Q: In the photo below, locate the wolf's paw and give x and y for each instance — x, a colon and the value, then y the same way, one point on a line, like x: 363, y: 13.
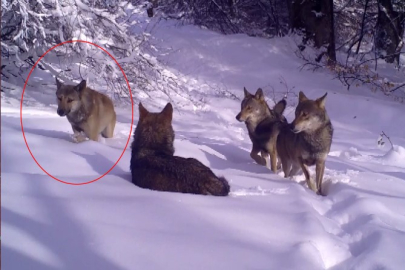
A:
x: 262, y: 162
x: 311, y: 186
x: 320, y: 192
x: 78, y: 138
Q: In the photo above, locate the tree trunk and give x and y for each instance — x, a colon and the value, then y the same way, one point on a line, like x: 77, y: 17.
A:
x: 315, y: 19
x: 389, y: 31
x: 331, y: 49
x: 362, y: 27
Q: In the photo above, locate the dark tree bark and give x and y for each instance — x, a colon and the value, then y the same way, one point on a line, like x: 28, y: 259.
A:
x: 315, y: 19
x: 267, y: 18
x: 150, y: 12
x: 331, y: 49
x: 150, y: 8
x: 230, y: 6
x: 362, y: 27
x: 389, y: 31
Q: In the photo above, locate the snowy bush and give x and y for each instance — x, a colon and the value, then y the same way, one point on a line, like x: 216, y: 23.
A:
x: 368, y: 34
x: 30, y: 28
x: 253, y: 17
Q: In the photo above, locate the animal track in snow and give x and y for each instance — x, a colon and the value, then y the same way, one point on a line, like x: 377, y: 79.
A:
x: 257, y: 191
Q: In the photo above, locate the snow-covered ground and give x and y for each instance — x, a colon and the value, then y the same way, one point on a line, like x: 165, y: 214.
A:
x: 267, y: 222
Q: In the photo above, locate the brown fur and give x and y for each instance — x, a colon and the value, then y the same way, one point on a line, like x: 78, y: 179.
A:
x: 263, y: 125
x: 154, y: 166
x: 307, y: 141
x: 86, y: 110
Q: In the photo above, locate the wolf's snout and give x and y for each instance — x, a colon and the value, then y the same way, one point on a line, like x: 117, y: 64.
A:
x: 238, y: 117
x: 61, y: 112
x: 293, y: 128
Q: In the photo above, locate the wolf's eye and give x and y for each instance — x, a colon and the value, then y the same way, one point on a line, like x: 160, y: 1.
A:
x: 249, y: 107
x: 70, y: 100
x: 59, y: 98
x: 304, y: 114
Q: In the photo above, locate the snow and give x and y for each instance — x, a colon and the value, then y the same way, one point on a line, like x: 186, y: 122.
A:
x: 317, y: 14
x: 396, y: 156
x: 267, y: 222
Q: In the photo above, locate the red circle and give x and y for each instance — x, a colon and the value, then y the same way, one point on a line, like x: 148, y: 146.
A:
x: 132, y: 105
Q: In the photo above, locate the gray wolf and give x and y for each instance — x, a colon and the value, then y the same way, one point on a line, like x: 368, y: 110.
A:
x: 306, y: 141
x: 154, y: 166
x: 86, y: 110
x: 263, y: 125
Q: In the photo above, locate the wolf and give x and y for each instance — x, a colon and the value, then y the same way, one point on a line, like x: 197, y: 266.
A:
x: 263, y: 125
x: 306, y: 141
x: 154, y: 166
x: 86, y: 110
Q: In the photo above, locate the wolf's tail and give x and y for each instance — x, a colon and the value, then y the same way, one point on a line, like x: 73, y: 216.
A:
x: 218, y: 187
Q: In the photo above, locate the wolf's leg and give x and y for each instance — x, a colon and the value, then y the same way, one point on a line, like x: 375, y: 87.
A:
x: 295, y: 168
x: 92, y: 131
x: 278, y: 164
x: 254, y: 155
x: 265, y: 155
x: 306, y: 173
x: 108, y: 132
x: 93, y: 135
x: 273, y: 159
x: 320, y: 168
x: 271, y: 149
x: 77, y: 135
x: 286, y: 164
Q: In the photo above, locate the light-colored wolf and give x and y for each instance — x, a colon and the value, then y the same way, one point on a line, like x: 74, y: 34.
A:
x: 263, y: 125
x: 86, y: 110
x: 306, y: 141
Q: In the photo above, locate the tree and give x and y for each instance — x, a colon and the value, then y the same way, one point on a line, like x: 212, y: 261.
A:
x: 315, y: 20
x: 267, y: 18
x: 390, y: 30
x: 31, y: 27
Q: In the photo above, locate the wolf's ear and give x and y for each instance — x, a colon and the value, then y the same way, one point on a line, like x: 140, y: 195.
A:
x: 142, y: 111
x: 301, y: 97
x: 280, y: 107
x: 321, y: 101
x: 247, y: 94
x: 58, y: 83
x: 167, y: 112
x: 259, y: 94
x: 81, y: 86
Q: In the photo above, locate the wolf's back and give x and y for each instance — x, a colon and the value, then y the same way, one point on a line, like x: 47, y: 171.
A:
x: 176, y: 174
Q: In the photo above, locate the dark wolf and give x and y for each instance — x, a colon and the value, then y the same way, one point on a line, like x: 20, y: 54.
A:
x: 86, y: 110
x: 154, y: 166
x: 306, y: 141
x: 263, y: 125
